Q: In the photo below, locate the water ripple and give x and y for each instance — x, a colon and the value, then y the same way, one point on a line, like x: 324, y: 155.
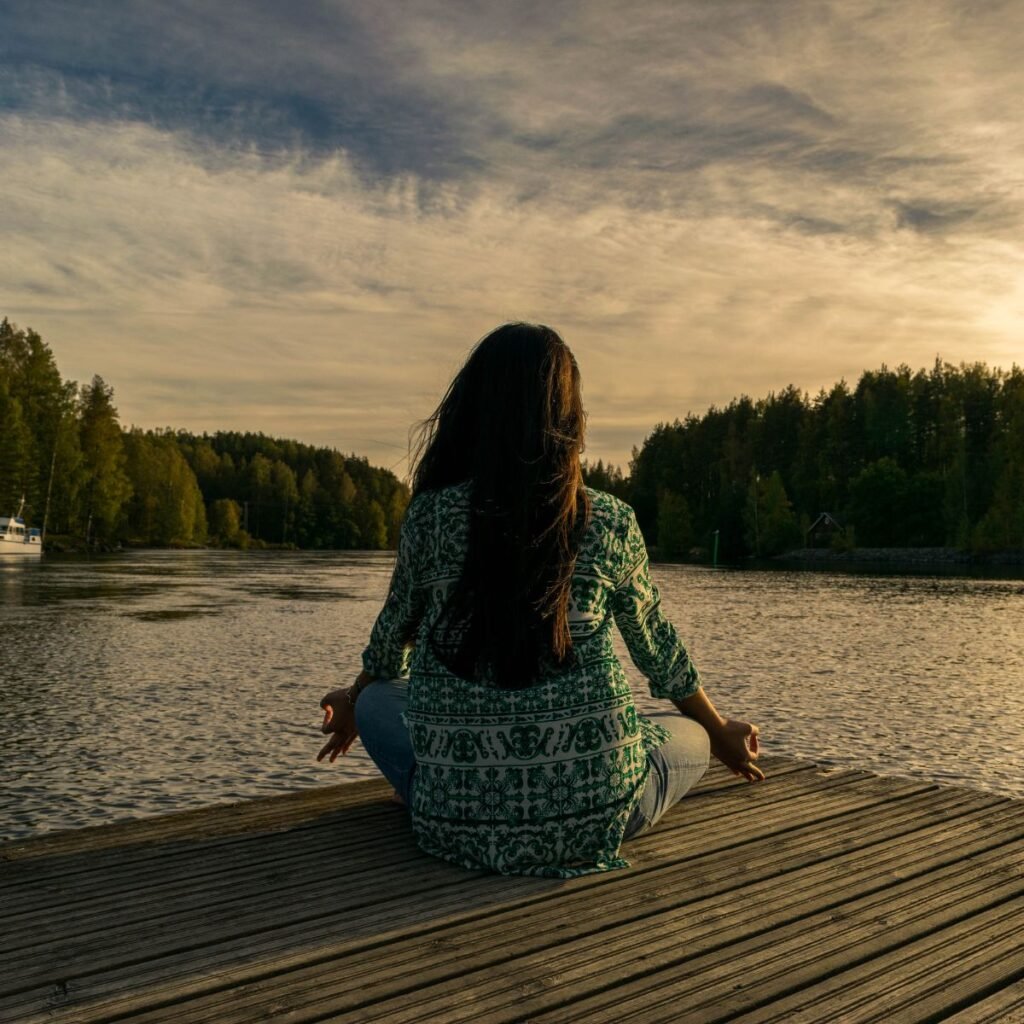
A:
x: 150, y: 681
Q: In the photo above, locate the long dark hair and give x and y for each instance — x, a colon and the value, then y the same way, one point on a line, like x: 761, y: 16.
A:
x: 511, y: 425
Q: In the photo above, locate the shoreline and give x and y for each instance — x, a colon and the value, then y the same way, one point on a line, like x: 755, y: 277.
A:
x: 888, y: 560
x: 909, y: 560
x: 72, y: 548
x: 902, y: 558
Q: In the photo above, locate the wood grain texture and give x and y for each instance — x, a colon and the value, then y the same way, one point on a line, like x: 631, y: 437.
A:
x: 820, y: 895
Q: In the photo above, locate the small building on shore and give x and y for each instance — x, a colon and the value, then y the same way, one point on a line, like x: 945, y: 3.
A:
x: 822, y: 530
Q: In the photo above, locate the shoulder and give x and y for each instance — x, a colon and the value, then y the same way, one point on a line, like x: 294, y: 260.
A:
x: 613, y: 538
x: 427, y: 506
x: 609, y: 514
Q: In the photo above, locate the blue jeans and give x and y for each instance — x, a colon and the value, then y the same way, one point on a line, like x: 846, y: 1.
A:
x: 675, y: 767
x: 385, y: 736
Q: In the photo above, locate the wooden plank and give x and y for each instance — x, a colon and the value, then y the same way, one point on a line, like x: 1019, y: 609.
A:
x: 875, y: 871
x: 38, y: 900
x: 366, y: 837
x: 87, y: 952
x: 34, y: 862
x: 238, y: 817
x: 361, y: 826
x: 963, y: 978
x: 92, y: 867
x: 248, y: 878
x: 269, y: 883
x: 290, y: 886
x: 1005, y: 1006
x: 659, y: 838
x: 243, y: 816
x: 917, y: 978
x: 678, y: 986
x: 760, y: 973
x: 232, y: 926
x: 412, y: 965
x: 727, y: 879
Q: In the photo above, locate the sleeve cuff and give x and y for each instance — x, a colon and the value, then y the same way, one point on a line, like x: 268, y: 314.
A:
x: 683, y: 684
x: 381, y: 668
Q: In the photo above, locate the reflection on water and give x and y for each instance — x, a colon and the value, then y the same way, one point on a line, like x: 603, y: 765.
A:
x: 151, y: 681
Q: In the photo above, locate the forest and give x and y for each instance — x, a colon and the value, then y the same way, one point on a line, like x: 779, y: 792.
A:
x: 904, y: 458
x: 108, y: 486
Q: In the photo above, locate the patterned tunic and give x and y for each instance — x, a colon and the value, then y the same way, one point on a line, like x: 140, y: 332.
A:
x: 538, y: 781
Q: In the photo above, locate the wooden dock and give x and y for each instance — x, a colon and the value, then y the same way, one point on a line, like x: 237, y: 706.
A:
x: 818, y: 895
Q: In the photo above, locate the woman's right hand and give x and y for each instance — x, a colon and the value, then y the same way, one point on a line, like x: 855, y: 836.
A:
x: 340, y: 722
x: 734, y: 743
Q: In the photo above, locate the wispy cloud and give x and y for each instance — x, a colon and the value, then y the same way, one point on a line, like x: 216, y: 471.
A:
x: 298, y: 219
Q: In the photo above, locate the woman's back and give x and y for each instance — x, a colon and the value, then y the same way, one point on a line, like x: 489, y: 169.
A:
x: 541, y: 779
x: 493, y: 700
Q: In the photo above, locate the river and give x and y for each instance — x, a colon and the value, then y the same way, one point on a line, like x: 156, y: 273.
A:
x: 150, y: 681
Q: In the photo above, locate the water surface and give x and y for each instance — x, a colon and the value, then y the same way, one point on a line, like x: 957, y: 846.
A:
x: 150, y: 681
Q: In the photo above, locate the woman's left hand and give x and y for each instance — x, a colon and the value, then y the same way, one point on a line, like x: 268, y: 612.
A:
x: 340, y: 722
x: 735, y: 744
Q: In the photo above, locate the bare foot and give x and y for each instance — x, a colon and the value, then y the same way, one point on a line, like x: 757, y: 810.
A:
x: 396, y: 799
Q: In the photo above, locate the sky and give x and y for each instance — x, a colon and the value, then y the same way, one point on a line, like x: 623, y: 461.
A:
x: 298, y: 218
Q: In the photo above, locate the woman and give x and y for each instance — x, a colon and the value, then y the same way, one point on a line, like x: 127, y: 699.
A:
x: 490, y: 696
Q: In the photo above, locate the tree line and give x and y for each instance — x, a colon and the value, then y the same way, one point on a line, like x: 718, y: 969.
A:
x: 63, y: 449
x: 902, y: 459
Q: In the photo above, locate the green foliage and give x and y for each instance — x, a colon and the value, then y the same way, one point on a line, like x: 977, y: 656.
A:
x: 156, y: 487
x: 372, y: 523
x: 291, y: 493
x: 1002, y: 526
x: 16, y: 453
x: 166, y: 506
x: 395, y: 513
x: 226, y: 523
x: 284, y: 494
x: 606, y: 478
x: 910, y: 458
x: 103, y: 456
x: 675, y: 528
x: 877, y: 502
x: 772, y: 526
x: 43, y: 428
x: 920, y: 525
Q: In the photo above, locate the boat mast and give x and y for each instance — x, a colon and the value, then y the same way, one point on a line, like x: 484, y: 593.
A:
x: 49, y: 491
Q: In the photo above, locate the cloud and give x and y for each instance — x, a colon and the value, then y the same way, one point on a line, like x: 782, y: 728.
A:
x: 298, y: 220
x: 258, y: 75
x: 924, y: 218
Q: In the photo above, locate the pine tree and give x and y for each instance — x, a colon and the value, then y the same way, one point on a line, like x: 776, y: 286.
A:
x: 107, y: 487
x: 16, y: 468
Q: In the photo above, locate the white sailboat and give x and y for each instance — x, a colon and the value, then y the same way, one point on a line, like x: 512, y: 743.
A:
x: 16, y: 539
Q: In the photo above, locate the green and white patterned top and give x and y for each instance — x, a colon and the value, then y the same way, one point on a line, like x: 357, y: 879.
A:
x: 539, y: 781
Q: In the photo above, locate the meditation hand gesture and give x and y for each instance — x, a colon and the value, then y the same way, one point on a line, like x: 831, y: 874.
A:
x: 734, y: 743
x: 340, y: 722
